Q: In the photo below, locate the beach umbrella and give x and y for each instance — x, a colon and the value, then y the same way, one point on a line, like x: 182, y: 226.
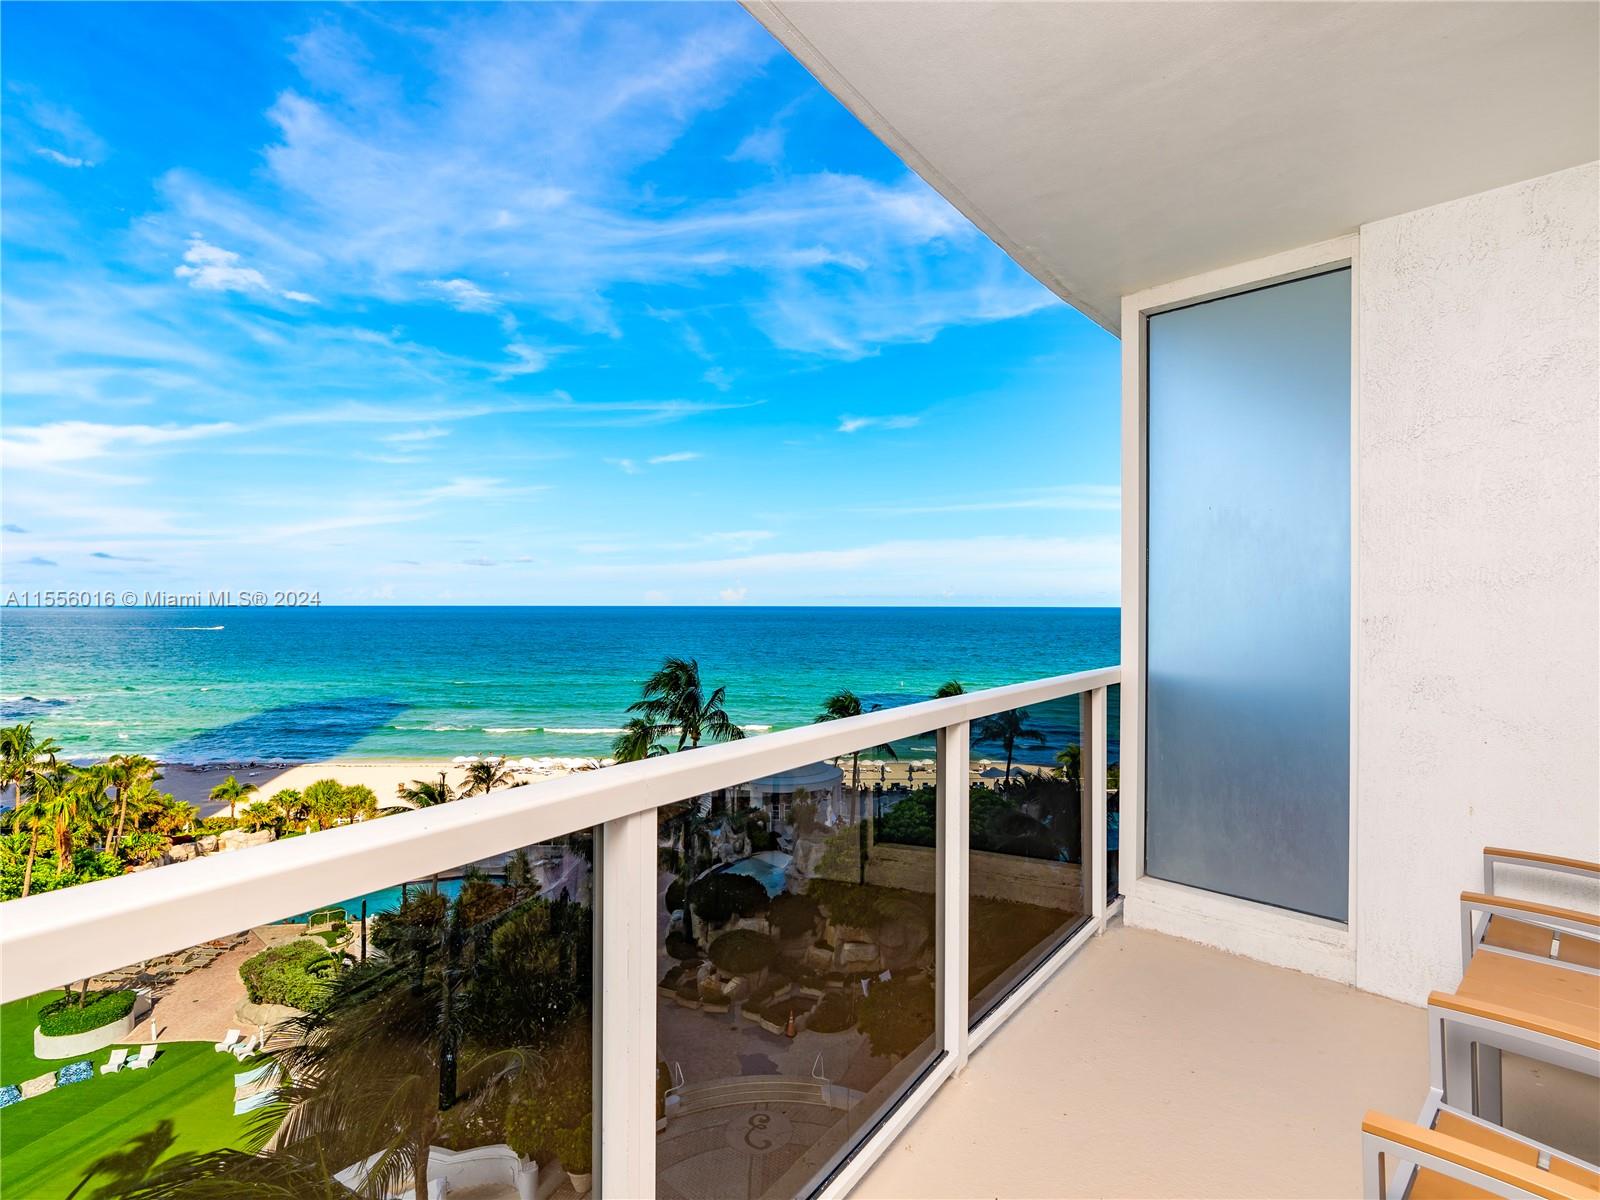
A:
x: 459, y: 759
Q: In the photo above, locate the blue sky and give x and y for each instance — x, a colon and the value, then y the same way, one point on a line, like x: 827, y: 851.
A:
x: 522, y: 304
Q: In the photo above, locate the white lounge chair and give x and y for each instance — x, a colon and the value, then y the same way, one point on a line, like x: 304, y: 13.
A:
x: 243, y: 1050
x: 119, y: 1056
x: 229, y: 1041
x: 141, y: 1060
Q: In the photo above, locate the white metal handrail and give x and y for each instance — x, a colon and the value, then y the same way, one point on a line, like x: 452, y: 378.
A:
x: 78, y: 932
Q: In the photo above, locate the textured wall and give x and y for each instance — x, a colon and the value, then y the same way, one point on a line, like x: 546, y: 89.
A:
x: 1477, y: 588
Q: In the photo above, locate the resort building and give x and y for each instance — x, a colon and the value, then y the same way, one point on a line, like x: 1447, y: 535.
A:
x: 1298, y: 900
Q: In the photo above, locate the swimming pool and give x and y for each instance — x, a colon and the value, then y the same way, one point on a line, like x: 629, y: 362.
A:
x: 381, y: 901
x: 770, y: 868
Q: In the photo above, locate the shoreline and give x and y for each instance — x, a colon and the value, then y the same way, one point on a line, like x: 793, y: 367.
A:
x: 192, y: 782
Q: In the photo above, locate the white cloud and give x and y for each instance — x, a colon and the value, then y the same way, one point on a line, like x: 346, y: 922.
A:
x: 77, y: 441
x: 464, y: 295
x: 64, y: 160
x: 212, y: 269
x: 525, y: 166
x: 857, y: 424
x: 733, y: 595
x: 718, y: 378
x: 1071, y: 497
x: 626, y: 465
x: 676, y: 457
x: 527, y: 361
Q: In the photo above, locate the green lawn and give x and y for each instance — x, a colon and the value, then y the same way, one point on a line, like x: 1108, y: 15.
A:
x: 182, y: 1103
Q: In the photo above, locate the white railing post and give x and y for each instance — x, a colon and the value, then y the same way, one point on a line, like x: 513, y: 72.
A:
x: 625, y: 1047
x: 1094, y: 773
x: 954, y: 799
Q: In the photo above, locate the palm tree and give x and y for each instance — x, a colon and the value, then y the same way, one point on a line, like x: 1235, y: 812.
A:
x: 93, y: 786
x: 637, y: 741
x: 837, y: 707
x: 425, y: 794
x: 486, y: 775
x: 231, y: 790
x: 18, y: 749
x: 127, y: 772
x: 950, y: 687
x: 1008, y: 728
x: 675, y: 702
x: 1070, y: 763
x: 59, y: 797
x: 30, y: 812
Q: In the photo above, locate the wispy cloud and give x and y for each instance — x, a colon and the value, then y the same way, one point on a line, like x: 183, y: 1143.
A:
x: 678, y: 456
x: 117, y: 557
x: 8, y: 527
x: 1072, y: 497
x: 857, y: 424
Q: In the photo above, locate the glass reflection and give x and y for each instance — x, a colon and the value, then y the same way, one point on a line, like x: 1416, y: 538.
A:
x: 796, y: 993
x: 424, y: 1038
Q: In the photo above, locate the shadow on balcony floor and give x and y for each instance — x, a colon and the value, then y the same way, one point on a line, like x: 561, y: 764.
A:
x: 1156, y: 1067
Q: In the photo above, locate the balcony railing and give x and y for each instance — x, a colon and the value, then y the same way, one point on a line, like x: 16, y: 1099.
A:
x: 796, y: 940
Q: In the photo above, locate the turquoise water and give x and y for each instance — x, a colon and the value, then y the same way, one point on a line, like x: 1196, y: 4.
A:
x: 227, y: 685
x: 768, y: 868
x: 381, y: 901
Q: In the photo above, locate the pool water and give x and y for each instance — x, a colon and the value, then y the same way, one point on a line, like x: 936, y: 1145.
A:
x: 381, y: 901
x: 770, y: 868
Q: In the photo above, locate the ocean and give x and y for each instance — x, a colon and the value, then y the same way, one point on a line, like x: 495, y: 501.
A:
x: 207, y: 685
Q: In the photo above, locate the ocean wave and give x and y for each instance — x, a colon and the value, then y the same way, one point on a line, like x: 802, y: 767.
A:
x: 576, y: 729
x: 756, y: 728
x: 198, y: 628
x: 513, y: 728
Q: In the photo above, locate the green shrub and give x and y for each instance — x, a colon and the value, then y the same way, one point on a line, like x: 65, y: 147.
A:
x: 897, y: 1016
x: 743, y: 952
x: 296, y: 974
x: 851, y: 904
x: 724, y: 895
x: 574, y: 1148
x: 834, y: 1013
x: 66, y: 1015
x: 793, y: 915
x: 217, y: 824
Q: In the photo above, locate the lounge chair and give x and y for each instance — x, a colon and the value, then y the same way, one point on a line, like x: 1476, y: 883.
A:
x: 146, y: 1056
x: 119, y: 1056
x: 229, y: 1040
x: 243, y: 1050
x: 1449, y: 1154
x: 1530, y: 983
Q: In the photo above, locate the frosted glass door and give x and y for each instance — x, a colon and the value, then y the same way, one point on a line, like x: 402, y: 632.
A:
x: 1247, y: 669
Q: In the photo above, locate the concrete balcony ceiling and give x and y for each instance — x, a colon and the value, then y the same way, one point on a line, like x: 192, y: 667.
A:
x: 1111, y: 147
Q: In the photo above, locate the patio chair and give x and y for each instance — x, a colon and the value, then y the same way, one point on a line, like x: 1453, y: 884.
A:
x: 1527, y: 985
x: 229, y: 1040
x: 1518, y: 928
x: 146, y: 1056
x: 1449, y: 1155
x: 243, y: 1050
x: 119, y: 1056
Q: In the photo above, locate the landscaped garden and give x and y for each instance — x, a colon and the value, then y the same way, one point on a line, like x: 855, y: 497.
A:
x: 108, y: 1128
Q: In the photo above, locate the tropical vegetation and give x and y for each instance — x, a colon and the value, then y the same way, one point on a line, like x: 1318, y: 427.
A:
x: 79, y: 1012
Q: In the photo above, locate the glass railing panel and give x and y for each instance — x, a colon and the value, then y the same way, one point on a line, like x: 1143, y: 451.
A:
x: 796, y: 996
x: 436, y: 1030
x: 1113, y: 788
x: 1028, y: 849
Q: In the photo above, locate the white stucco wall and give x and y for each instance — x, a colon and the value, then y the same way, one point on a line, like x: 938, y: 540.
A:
x: 1478, y: 558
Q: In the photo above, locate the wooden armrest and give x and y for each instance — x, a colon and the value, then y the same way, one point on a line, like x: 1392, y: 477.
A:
x: 1531, y: 907
x: 1489, y: 1011
x: 1534, y: 859
x: 1466, y: 1154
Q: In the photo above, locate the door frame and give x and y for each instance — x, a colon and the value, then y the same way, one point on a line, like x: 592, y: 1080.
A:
x: 1314, y: 944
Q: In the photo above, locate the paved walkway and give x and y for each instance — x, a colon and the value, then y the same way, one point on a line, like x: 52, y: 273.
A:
x: 199, y: 1006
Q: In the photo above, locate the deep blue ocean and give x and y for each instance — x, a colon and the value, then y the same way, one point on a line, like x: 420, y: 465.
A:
x: 239, y: 684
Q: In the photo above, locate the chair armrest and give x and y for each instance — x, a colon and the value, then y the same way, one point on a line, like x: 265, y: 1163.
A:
x: 1447, y: 1152
x: 1532, y: 909
x: 1532, y: 858
x: 1485, y: 1010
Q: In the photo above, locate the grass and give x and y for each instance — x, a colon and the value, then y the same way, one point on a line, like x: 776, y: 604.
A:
x: 182, y: 1103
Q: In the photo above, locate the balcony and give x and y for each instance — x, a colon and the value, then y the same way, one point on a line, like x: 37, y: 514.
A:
x: 734, y: 971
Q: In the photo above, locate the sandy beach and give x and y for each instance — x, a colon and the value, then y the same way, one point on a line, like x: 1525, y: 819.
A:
x: 194, y: 783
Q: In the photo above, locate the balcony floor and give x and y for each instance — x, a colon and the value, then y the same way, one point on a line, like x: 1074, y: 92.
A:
x: 1156, y: 1067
